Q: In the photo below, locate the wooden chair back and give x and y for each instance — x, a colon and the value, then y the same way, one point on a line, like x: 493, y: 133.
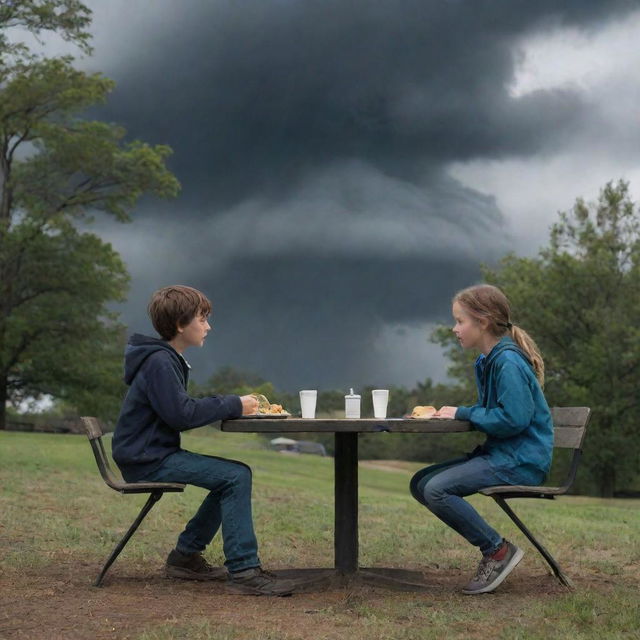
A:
x: 570, y: 426
x: 94, y: 433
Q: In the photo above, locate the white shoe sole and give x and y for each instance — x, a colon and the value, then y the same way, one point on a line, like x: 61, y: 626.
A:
x: 513, y: 563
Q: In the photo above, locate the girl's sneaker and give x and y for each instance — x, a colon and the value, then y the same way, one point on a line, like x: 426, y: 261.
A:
x: 491, y: 572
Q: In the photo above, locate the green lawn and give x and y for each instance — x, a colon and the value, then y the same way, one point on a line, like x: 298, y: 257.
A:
x: 59, y: 522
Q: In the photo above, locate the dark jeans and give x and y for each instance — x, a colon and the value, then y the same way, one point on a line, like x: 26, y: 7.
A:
x: 440, y: 488
x: 228, y: 504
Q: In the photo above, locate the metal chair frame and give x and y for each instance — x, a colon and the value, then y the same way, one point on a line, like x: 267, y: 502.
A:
x: 154, y: 489
x: 569, y: 432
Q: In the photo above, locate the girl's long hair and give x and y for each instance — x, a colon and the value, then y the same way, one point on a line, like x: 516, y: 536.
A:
x: 488, y: 302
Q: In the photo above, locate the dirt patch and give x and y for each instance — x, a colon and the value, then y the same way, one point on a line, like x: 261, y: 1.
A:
x: 60, y: 603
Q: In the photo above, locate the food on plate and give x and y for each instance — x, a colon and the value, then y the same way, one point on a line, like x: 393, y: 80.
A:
x: 266, y: 408
x: 275, y: 408
x: 423, y: 411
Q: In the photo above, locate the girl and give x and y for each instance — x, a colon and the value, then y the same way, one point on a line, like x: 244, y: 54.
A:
x: 511, y: 410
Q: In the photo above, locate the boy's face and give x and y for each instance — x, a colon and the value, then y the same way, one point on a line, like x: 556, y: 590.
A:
x: 193, y: 334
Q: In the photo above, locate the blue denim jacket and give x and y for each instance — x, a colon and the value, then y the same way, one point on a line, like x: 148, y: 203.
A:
x: 514, y: 414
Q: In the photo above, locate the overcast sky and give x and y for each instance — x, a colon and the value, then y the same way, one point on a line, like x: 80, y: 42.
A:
x: 346, y: 166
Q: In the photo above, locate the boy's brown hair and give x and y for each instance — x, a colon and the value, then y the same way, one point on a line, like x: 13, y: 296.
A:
x: 174, y: 306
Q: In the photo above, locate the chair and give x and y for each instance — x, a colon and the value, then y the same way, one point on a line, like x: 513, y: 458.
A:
x: 154, y: 489
x: 570, y: 426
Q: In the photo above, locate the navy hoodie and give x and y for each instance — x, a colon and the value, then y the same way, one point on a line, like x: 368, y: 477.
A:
x: 157, y: 407
x: 513, y: 413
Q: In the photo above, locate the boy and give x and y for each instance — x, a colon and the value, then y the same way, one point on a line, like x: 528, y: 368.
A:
x: 146, y: 445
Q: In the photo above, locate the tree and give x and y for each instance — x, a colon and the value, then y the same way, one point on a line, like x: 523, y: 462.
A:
x: 580, y: 300
x: 228, y: 379
x: 57, y: 335
x: 68, y: 18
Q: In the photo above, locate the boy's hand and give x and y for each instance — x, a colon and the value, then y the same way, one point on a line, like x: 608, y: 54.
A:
x: 249, y: 405
x: 446, y: 412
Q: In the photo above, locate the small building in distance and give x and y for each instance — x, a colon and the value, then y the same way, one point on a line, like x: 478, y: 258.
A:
x: 288, y: 445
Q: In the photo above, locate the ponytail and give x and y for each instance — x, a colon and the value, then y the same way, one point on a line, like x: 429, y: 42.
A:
x: 527, y: 344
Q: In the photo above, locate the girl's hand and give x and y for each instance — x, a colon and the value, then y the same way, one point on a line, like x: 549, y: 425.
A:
x: 446, y: 412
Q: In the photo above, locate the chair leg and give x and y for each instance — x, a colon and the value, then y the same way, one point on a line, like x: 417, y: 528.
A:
x: 543, y: 551
x: 153, y: 498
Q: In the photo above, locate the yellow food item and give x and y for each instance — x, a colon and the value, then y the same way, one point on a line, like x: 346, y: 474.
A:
x: 265, y: 407
x: 421, y: 411
x: 275, y: 408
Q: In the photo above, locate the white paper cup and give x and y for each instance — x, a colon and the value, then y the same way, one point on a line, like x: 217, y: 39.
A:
x: 308, y: 399
x: 380, y: 401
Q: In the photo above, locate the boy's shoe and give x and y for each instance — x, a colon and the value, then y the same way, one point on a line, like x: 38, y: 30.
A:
x: 192, y: 566
x: 258, y: 582
x: 491, y: 572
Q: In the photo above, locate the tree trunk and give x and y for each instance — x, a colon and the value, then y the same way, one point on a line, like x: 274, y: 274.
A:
x: 608, y: 481
x: 3, y: 404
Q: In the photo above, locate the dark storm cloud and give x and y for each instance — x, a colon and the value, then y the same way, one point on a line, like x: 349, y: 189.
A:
x: 342, y: 310
x: 312, y: 140
x: 313, y: 321
x: 254, y: 95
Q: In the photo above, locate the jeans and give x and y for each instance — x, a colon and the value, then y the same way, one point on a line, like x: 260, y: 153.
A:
x: 440, y: 488
x: 228, y: 504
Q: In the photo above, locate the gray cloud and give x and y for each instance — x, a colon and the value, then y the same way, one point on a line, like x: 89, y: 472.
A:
x: 254, y: 96
x: 317, y: 296
x: 312, y: 140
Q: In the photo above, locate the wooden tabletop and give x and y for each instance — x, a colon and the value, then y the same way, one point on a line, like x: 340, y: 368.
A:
x: 325, y: 425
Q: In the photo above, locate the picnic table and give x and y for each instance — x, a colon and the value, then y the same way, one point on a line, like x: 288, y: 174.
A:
x: 346, y: 565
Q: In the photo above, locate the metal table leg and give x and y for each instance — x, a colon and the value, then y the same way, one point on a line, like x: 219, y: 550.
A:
x: 346, y: 503
x: 347, y: 570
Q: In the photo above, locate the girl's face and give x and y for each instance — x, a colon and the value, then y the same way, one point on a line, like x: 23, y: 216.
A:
x: 468, y: 330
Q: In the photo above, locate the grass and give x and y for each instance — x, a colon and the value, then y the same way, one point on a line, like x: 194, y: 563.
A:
x: 56, y: 509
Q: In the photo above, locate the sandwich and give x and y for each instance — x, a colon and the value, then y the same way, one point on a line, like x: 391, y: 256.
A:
x: 423, y: 412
